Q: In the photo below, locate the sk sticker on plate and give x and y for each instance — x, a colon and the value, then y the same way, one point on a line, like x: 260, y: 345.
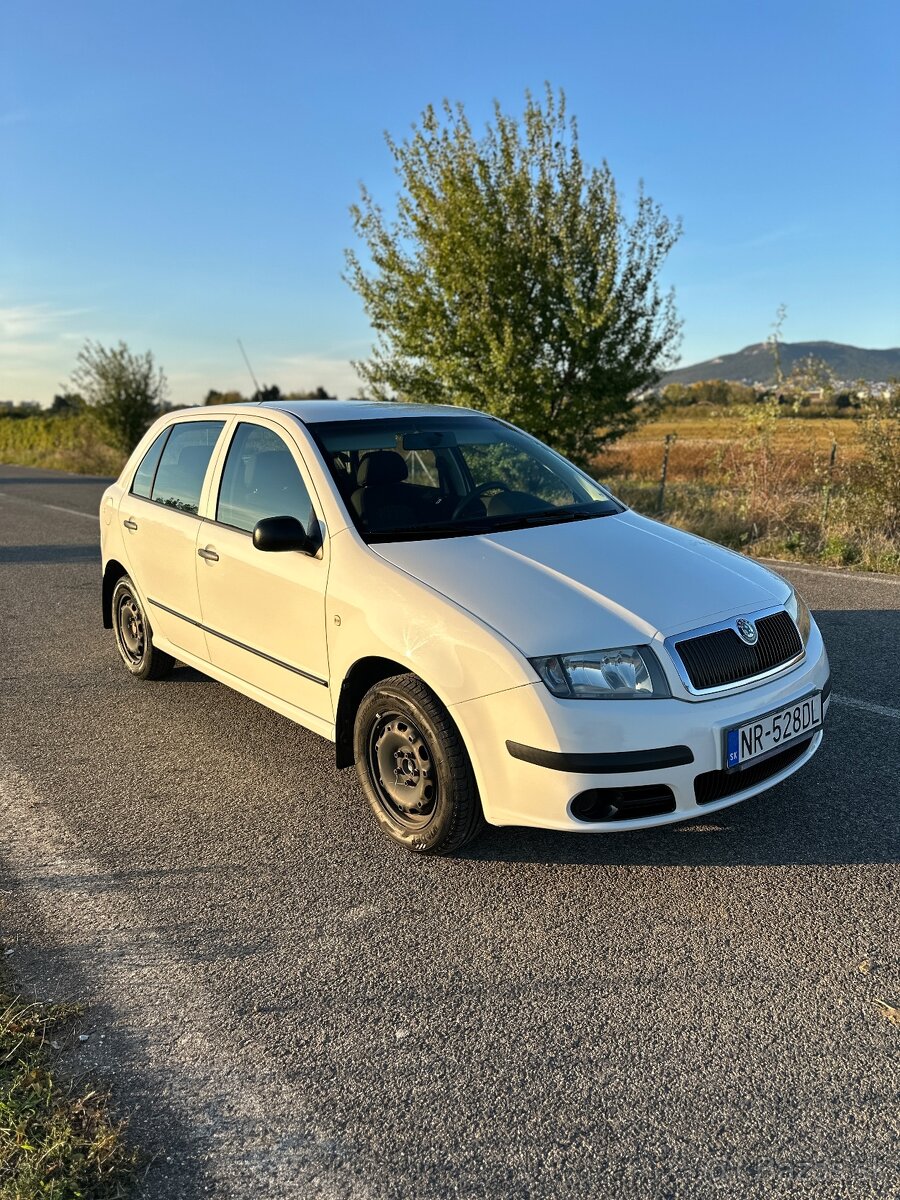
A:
x: 733, y: 749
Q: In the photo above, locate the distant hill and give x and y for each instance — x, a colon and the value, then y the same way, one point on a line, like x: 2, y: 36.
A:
x: 754, y: 364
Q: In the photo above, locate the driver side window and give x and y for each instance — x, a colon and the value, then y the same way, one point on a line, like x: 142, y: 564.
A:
x: 261, y: 480
x: 518, y: 470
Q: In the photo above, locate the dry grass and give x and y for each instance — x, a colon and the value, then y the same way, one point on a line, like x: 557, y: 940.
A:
x: 763, y: 482
x: 56, y: 1140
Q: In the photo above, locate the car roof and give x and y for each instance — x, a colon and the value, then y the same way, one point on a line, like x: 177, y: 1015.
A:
x: 311, y: 412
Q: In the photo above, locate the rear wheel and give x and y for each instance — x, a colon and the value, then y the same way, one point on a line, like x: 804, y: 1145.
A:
x: 414, y: 768
x: 134, y: 637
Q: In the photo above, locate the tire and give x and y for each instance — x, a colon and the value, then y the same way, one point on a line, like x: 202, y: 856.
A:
x: 431, y: 805
x: 134, y: 636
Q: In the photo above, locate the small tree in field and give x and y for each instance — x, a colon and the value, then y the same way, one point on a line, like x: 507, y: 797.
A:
x: 124, y: 389
x: 511, y: 281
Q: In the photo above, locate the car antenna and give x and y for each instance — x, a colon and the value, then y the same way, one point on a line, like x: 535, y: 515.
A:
x: 250, y: 369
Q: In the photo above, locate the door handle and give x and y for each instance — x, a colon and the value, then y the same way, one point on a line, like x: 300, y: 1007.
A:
x: 129, y: 524
x: 208, y: 555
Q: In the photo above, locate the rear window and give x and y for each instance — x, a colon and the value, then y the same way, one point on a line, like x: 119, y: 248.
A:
x: 182, y: 467
x: 146, y: 472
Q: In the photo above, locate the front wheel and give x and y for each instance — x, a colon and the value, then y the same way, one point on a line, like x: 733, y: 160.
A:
x: 134, y: 637
x: 414, y: 768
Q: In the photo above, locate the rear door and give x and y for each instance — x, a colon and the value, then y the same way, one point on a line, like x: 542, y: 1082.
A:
x: 161, y: 523
x: 265, y: 612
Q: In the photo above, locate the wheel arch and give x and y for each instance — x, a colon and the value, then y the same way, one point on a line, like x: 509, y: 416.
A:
x: 112, y: 573
x: 362, y: 675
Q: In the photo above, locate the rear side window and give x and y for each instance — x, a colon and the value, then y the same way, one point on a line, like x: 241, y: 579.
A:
x: 143, y: 478
x: 182, y: 467
x: 261, y: 480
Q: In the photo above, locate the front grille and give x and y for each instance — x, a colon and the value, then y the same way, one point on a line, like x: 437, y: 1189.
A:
x: 715, y: 659
x: 623, y: 804
x: 716, y: 785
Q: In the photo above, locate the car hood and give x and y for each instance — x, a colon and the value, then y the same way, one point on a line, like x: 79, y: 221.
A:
x: 591, y: 584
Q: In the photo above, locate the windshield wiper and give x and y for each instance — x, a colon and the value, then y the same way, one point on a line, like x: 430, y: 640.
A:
x: 557, y: 516
x: 438, y: 529
x: 485, y: 526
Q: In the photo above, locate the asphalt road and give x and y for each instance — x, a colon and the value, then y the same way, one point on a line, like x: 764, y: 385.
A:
x: 291, y: 1007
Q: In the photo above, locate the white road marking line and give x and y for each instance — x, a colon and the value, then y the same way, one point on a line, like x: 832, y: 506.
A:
x: 73, y: 512
x: 834, y: 573
x: 878, y: 709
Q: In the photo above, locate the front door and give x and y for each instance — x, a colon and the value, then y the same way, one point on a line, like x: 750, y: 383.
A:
x: 264, y: 613
x: 160, y: 516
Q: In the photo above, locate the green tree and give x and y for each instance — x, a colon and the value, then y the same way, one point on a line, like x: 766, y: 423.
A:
x: 267, y: 394
x: 124, y: 389
x: 65, y: 404
x: 214, y: 397
x: 318, y: 393
x: 511, y: 281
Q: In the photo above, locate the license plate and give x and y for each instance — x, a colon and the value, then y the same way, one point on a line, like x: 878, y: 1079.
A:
x: 757, y: 739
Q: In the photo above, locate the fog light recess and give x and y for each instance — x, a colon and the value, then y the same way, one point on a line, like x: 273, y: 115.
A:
x: 608, y: 805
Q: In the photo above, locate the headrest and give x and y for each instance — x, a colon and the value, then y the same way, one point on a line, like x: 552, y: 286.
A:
x: 194, y: 458
x: 380, y: 467
x: 274, y: 468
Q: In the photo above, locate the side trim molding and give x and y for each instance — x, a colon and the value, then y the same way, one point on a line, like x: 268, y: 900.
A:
x: 240, y: 645
x: 604, y: 764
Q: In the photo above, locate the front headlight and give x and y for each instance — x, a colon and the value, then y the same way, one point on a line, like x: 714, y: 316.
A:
x: 796, y: 606
x: 627, y: 673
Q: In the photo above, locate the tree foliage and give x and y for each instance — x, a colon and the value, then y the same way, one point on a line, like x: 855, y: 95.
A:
x: 125, y: 389
x: 318, y: 393
x: 718, y: 392
x: 511, y: 281
x: 66, y: 404
x: 266, y: 393
x: 231, y: 397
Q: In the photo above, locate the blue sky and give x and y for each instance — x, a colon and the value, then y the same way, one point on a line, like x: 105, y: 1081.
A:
x: 178, y: 174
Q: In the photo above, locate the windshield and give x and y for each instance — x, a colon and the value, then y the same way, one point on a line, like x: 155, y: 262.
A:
x: 405, y: 478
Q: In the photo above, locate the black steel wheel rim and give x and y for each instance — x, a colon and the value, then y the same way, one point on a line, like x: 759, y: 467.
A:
x: 130, y: 627
x: 401, y: 767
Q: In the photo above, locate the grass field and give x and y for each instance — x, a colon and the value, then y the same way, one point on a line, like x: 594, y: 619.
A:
x: 809, y: 489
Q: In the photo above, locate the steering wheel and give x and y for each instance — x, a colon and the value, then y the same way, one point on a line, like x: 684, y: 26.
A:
x: 491, y: 485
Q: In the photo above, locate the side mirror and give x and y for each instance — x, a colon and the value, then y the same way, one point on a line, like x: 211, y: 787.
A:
x: 282, y: 533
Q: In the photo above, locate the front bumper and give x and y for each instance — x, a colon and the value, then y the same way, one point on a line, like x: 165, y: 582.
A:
x: 533, y: 754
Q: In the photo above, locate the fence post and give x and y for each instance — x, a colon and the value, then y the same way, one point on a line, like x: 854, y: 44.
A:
x: 826, y: 500
x: 660, y: 503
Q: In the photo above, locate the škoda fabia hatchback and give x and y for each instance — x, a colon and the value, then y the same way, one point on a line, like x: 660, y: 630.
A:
x: 478, y: 626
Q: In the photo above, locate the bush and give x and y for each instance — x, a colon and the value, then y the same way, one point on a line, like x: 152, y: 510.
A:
x: 76, y: 443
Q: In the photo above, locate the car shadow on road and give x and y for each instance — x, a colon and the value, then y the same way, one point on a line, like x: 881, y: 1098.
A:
x: 186, y: 674
x: 28, y: 555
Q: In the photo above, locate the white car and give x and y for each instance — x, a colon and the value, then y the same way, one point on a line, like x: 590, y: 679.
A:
x: 484, y: 630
